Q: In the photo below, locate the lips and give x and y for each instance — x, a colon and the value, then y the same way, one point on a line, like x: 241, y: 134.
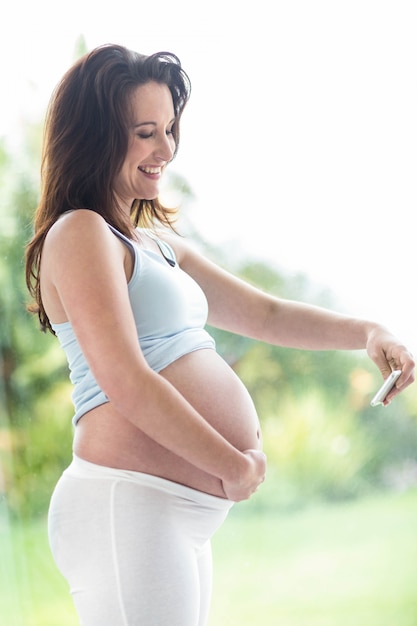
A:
x: 151, y: 170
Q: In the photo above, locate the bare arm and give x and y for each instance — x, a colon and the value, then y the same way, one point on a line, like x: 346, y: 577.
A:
x: 84, y: 264
x: 241, y: 308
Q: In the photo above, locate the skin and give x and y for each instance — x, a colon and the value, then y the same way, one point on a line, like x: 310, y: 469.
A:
x: 194, y: 422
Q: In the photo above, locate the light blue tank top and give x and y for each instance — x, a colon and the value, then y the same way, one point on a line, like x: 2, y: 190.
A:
x: 170, y: 311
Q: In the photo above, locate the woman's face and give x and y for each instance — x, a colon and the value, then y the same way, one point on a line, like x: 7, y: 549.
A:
x: 151, y: 144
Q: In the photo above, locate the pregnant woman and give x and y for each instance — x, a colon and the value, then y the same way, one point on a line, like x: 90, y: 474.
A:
x: 166, y: 437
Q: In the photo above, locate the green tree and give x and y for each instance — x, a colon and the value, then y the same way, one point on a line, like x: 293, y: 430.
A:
x: 34, y: 440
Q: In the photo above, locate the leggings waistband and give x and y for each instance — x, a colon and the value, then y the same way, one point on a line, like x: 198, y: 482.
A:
x: 80, y: 468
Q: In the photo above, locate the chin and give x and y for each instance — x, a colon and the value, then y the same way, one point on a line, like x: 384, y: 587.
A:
x: 147, y: 198
x: 153, y: 196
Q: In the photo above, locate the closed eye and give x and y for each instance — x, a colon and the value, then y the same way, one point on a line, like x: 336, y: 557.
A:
x: 149, y: 135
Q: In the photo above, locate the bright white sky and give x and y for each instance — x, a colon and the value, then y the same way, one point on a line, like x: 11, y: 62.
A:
x: 300, y: 140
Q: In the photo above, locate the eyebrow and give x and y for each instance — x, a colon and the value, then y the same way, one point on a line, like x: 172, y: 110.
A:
x: 144, y: 124
x: 152, y: 123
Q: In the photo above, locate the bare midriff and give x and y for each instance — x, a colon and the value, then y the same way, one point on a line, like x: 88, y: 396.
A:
x: 105, y: 437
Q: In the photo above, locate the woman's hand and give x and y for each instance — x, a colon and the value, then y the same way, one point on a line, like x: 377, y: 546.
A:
x: 247, y: 481
x: 389, y: 354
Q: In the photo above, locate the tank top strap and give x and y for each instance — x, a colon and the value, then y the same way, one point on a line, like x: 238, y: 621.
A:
x: 166, y: 250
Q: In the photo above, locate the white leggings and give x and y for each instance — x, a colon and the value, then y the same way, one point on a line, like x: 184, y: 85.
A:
x: 134, y: 548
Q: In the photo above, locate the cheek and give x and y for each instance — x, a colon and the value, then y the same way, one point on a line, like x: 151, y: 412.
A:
x: 123, y: 176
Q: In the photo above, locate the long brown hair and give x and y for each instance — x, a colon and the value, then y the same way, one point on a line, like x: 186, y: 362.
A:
x: 85, y: 143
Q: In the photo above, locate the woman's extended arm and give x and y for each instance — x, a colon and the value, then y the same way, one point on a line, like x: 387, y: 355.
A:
x: 84, y: 263
x: 239, y: 307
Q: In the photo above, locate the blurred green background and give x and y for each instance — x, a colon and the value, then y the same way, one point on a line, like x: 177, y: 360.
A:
x: 330, y: 537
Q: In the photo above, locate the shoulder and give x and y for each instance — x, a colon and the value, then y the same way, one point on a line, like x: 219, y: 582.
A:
x: 80, y: 232
x: 80, y: 238
x: 80, y: 223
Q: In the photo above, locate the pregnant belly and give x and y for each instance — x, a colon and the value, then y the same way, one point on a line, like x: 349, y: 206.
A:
x: 216, y: 392
x: 211, y: 387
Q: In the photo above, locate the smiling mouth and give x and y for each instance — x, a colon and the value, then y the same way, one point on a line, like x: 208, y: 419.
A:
x: 151, y: 170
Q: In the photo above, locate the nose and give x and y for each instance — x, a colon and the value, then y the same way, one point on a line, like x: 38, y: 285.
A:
x: 166, y: 148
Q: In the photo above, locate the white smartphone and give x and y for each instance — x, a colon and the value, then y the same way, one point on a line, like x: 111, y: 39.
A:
x: 388, y: 384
